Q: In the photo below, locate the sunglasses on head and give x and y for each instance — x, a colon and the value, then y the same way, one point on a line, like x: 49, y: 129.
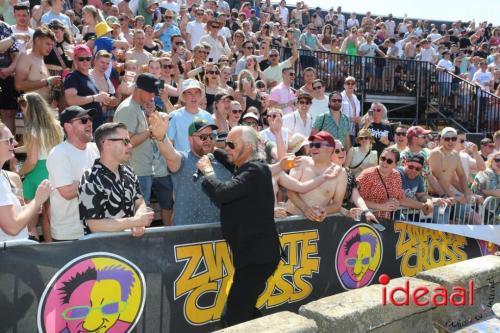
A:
x: 416, y: 168
x: 83, y: 120
x: 84, y: 58
x: 339, y: 150
x: 305, y: 101
x: 125, y: 141
x: 205, y: 137
x: 448, y: 139
x: 317, y: 87
x: 10, y: 140
x: 386, y: 160
x: 230, y: 144
x: 318, y: 145
x: 401, y: 133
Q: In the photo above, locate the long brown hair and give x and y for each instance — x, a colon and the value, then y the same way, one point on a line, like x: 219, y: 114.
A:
x: 41, y: 124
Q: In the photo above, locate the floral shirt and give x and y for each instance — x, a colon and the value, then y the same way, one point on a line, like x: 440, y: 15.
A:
x: 486, y: 180
x: 372, y: 189
x: 325, y: 122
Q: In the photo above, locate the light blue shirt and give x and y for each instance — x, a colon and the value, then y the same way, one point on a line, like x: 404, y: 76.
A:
x: 180, y: 120
x: 166, y: 34
x: 49, y: 16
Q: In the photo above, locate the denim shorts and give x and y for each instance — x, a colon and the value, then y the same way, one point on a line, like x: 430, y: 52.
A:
x: 163, y: 190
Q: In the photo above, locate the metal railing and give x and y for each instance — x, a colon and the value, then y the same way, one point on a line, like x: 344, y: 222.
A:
x: 475, y: 109
x: 458, y: 100
x: 474, y: 213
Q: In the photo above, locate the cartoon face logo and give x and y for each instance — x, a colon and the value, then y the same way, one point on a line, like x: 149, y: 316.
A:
x: 359, y: 256
x: 97, y: 292
x: 487, y: 247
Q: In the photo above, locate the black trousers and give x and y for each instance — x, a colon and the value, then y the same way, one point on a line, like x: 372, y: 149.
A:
x: 248, y: 283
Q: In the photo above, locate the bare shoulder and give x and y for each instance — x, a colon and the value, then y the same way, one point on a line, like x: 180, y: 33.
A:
x: 15, y: 179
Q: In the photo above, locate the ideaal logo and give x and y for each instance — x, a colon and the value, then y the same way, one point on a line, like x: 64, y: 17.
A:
x: 421, y: 249
x: 98, y: 292
x: 207, y: 275
x: 359, y: 256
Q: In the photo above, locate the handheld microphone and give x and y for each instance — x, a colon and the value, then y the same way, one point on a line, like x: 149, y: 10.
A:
x: 198, y: 173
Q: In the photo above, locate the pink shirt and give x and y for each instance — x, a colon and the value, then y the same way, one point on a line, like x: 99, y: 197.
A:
x: 281, y: 95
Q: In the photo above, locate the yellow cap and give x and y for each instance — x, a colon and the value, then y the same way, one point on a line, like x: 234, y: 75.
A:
x: 102, y: 28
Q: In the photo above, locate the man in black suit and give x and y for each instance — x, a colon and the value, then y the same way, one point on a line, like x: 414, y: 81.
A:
x: 247, y: 220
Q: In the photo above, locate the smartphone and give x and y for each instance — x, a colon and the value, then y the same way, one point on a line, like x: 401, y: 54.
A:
x: 162, y: 84
x: 210, y: 59
x: 378, y: 226
x: 370, y: 113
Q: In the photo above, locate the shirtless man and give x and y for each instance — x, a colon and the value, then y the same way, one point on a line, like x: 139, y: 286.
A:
x: 326, y: 198
x: 31, y: 72
x: 137, y: 52
x: 444, y: 163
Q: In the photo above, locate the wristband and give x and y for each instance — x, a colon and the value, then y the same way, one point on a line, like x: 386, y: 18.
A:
x: 93, y: 99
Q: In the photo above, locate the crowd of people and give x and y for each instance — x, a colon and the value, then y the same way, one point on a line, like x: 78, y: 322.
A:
x: 121, y: 99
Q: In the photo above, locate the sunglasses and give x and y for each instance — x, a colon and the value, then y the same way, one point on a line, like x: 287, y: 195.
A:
x: 236, y: 111
x: 339, y: 150
x: 83, y: 120
x: 386, y: 160
x: 365, y: 138
x: 291, y: 74
x: 84, y: 58
x: 305, y: 102
x: 249, y: 47
x: 497, y: 160
x: 56, y: 28
x: 318, y: 145
x: 205, y: 137
x: 213, y: 72
x: 249, y: 123
x: 350, y: 83
x: 179, y: 43
x: 230, y: 144
x: 215, y: 27
x: 412, y: 167
x: 167, y: 66
x: 169, y: 17
x: 9, y: 140
x: 273, y: 55
x: 336, y: 100
x: 200, y: 14
x: 376, y: 110
x: 125, y: 141
x: 453, y: 139
x: 317, y: 87
x: 121, y: 19
x: 401, y: 133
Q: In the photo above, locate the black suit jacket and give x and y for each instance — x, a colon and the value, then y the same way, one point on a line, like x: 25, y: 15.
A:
x: 247, y: 213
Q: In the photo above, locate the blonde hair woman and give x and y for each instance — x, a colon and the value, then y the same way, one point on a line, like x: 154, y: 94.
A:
x: 362, y: 157
x: 42, y: 133
x: 91, y: 16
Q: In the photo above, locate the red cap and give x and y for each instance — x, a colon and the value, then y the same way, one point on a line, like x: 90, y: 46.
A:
x: 81, y: 48
x: 323, y: 136
x: 416, y: 130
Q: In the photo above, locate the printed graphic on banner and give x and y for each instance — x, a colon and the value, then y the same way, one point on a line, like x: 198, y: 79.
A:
x: 358, y: 257
x: 207, y: 275
x: 97, y: 292
x: 421, y: 249
x: 487, y: 247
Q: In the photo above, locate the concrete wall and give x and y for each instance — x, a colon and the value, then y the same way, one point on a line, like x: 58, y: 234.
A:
x: 362, y: 310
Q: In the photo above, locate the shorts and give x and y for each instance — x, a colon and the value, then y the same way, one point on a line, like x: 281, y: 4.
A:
x: 163, y: 189
x: 8, y: 94
x: 34, y: 178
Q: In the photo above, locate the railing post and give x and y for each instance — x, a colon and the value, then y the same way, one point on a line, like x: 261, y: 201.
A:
x: 478, y: 106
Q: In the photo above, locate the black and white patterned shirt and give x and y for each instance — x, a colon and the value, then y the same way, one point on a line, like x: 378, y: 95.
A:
x: 102, y: 195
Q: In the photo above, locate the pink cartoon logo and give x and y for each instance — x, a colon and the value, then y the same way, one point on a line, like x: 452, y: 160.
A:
x: 359, y: 256
x: 97, y: 292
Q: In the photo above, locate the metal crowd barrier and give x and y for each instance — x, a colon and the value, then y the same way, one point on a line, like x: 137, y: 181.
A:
x: 469, y: 105
x: 487, y: 213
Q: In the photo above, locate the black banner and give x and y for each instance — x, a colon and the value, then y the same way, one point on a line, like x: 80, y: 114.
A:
x: 176, y: 279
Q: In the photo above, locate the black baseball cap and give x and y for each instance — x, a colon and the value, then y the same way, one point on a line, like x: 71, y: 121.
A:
x: 75, y: 112
x: 148, y: 82
x: 417, y: 158
x: 218, y: 97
